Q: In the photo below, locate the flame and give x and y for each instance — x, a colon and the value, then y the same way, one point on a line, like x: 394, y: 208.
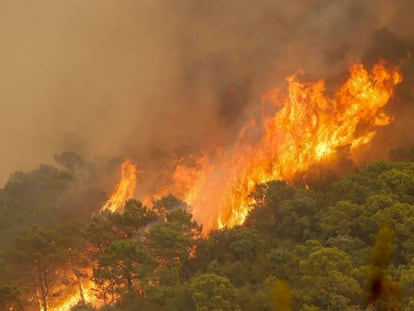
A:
x: 74, y: 291
x: 74, y: 299
x: 124, y: 190
x: 302, y: 127
x: 307, y: 128
x: 183, y: 180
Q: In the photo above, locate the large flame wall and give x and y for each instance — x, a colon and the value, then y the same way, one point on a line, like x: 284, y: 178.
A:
x: 306, y: 127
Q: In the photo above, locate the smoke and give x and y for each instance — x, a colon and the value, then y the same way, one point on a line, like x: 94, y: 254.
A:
x: 151, y: 78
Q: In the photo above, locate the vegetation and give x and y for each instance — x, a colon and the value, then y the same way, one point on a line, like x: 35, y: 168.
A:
x: 346, y: 246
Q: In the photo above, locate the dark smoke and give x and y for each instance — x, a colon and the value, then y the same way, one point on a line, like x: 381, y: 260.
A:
x: 154, y: 79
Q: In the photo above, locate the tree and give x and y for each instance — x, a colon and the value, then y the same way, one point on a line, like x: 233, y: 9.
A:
x: 211, y: 292
x: 30, y: 199
x: 121, y: 269
x: 78, y: 258
x: 284, y: 211
x: 327, y: 280
x: 38, y: 251
x: 168, y: 203
x: 172, y: 245
x: 233, y: 253
x: 268, y: 197
x: 99, y: 232
x: 133, y: 220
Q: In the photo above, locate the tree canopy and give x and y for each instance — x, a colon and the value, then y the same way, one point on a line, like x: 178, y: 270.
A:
x: 344, y: 246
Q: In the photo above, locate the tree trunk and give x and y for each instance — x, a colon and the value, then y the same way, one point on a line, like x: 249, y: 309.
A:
x: 42, y: 284
x: 81, y: 295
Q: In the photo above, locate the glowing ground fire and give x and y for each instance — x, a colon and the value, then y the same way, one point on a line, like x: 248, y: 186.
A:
x: 73, y: 299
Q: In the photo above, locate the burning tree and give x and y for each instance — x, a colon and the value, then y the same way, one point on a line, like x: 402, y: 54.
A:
x: 39, y: 252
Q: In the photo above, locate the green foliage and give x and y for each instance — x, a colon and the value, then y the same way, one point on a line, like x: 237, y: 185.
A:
x: 134, y: 218
x: 332, y: 246
x: 120, y: 269
x: 30, y: 199
x: 211, y: 292
x: 168, y: 202
x: 36, y: 252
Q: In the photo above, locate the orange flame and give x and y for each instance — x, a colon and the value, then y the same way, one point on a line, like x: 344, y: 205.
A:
x: 307, y: 128
x: 124, y: 190
x: 70, y: 301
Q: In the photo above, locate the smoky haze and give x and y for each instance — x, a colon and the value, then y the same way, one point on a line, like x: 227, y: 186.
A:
x: 107, y: 78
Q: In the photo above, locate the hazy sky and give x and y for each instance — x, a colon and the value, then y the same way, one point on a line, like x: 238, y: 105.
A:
x: 119, y: 77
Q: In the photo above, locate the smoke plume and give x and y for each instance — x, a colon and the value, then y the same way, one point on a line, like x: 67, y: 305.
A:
x: 153, y: 79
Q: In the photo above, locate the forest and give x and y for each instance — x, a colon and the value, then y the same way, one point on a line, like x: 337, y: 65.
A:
x: 345, y: 244
x: 256, y: 136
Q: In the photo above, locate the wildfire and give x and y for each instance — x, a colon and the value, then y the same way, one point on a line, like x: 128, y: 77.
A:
x: 308, y: 128
x: 74, y: 299
x: 124, y: 190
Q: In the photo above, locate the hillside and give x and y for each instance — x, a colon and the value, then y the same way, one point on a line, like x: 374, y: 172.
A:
x: 344, y: 246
